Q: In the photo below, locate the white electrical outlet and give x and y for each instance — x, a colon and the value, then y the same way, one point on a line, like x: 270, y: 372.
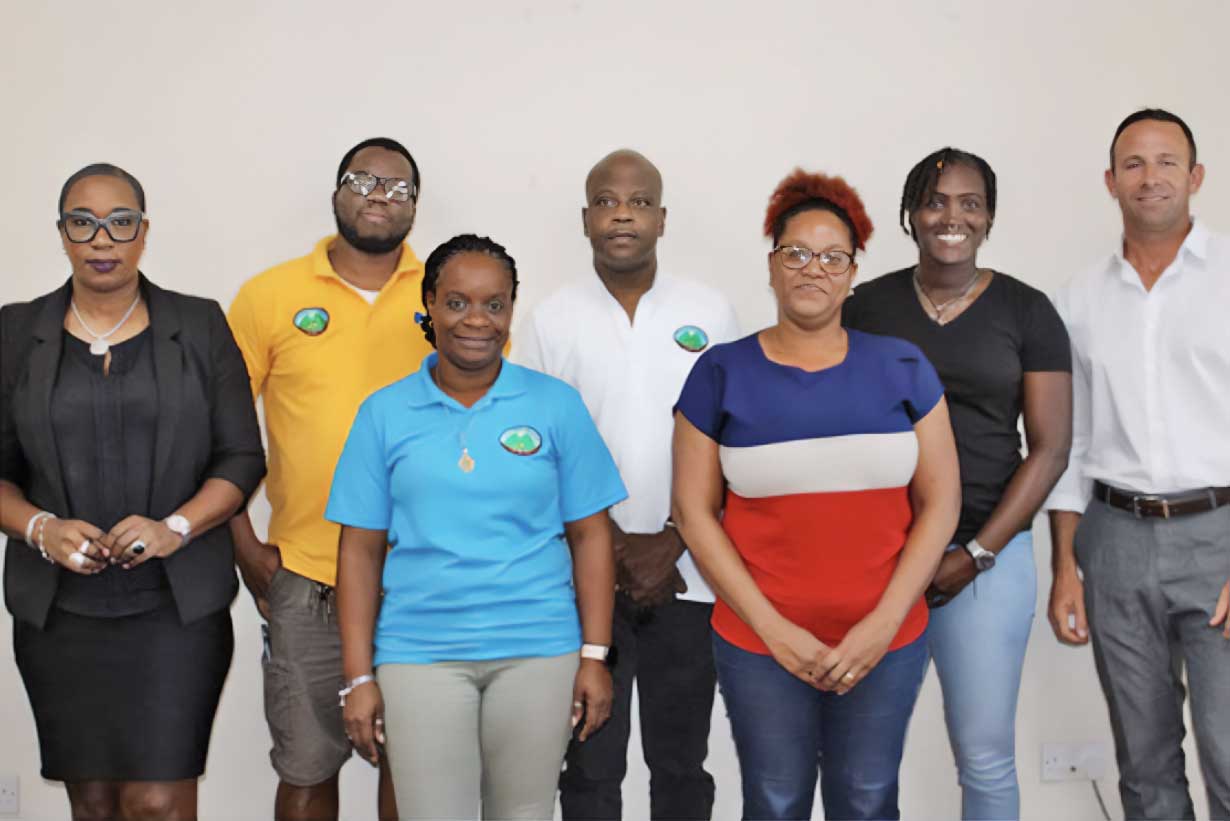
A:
x: 1081, y: 761
x: 9, y: 798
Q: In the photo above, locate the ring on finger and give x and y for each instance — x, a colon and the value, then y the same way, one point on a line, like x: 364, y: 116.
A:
x: 77, y: 559
x: 848, y: 677
x: 137, y: 547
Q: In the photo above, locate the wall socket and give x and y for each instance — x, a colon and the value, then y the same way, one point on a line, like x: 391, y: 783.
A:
x: 9, y: 798
x: 1080, y: 761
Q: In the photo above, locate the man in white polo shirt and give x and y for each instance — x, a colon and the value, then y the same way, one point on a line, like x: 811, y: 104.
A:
x: 1144, y: 508
x: 627, y: 339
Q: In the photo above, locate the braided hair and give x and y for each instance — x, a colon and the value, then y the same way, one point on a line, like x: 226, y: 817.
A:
x: 460, y: 244
x: 926, y: 175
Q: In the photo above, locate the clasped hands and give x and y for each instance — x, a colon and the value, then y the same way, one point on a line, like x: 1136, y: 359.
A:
x: 645, y: 565
x: 832, y: 669
x: 133, y: 541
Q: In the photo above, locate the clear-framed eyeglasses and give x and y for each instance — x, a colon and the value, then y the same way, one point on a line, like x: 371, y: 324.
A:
x: 122, y: 225
x: 395, y: 188
x: 833, y: 263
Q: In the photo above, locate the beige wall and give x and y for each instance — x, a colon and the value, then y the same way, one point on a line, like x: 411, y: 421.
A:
x: 234, y: 116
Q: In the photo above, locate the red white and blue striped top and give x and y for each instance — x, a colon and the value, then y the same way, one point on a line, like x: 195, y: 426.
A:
x: 817, y: 467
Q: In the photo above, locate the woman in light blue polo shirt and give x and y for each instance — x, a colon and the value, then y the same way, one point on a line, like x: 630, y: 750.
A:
x: 489, y: 484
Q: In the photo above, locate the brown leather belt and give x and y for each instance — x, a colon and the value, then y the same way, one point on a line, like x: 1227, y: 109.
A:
x: 1165, y: 505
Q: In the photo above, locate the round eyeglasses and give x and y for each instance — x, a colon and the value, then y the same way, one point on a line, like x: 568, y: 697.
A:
x: 122, y: 225
x: 395, y: 188
x: 796, y: 257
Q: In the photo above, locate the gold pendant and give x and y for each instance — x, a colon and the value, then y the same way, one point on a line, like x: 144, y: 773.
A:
x: 466, y: 462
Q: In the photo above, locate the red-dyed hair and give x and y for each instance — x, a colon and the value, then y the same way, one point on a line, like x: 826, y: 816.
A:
x: 801, y: 186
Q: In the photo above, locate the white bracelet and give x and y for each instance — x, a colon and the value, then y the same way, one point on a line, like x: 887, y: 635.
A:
x: 351, y: 685
x: 597, y: 652
x: 42, y: 528
x: 34, y: 520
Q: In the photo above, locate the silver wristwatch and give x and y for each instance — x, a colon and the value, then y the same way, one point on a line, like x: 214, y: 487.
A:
x: 179, y: 525
x: 983, y: 559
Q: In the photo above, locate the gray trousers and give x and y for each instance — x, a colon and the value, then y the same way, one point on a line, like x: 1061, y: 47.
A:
x: 461, y: 731
x: 1150, y: 589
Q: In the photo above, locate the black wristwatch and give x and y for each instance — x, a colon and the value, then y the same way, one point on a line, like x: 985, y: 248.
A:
x: 984, y: 559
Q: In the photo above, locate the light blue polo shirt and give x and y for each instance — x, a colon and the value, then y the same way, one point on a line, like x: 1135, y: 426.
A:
x: 478, y: 566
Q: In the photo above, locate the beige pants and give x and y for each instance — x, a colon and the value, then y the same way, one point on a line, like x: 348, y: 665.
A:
x: 465, y: 732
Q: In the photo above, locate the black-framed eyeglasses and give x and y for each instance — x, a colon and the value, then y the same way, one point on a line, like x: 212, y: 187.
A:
x: 833, y: 263
x: 395, y: 188
x: 122, y: 225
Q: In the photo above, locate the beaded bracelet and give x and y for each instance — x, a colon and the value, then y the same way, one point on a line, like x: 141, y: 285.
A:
x: 42, y: 526
x: 35, y: 519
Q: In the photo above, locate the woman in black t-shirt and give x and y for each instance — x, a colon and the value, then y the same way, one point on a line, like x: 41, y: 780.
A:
x: 1001, y: 351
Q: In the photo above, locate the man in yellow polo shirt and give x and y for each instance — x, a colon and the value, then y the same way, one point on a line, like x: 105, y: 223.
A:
x: 319, y: 334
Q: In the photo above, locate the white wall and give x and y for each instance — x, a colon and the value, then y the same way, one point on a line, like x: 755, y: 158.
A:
x: 234, y: 117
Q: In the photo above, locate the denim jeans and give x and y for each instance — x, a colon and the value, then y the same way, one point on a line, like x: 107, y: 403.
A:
x: 977, y: 642
x: 786, y: 730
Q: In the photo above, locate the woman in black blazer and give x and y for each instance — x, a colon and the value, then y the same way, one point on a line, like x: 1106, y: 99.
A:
x: 127, y: 435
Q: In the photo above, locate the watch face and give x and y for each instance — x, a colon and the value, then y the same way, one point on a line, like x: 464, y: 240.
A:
x: 985, y: 562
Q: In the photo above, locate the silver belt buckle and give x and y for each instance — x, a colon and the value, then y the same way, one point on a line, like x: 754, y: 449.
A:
x: 1136, y: 500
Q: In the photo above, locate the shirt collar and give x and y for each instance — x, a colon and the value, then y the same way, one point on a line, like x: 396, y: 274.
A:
x: 423, y: 390
x: 1195, y: 243
x: 407, y: 263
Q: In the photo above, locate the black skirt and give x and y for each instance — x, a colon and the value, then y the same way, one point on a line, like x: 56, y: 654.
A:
x: 124, y: 699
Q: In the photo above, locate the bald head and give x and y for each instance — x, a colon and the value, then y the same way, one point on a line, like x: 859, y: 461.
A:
x: 623, y: 215
x: 619, y: 163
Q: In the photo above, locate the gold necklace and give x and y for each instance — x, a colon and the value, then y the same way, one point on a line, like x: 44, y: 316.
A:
x: 939, y: 309
x: 466, y: 463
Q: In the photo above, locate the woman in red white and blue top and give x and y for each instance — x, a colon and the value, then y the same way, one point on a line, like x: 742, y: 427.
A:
x: 816, y: 484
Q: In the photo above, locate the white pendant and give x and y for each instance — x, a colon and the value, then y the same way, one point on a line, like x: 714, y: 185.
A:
x: 99, y: 347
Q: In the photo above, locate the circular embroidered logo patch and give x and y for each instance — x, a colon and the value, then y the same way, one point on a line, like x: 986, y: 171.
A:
x: 523, y: 441
x: 312, y: 321
x: 691, y: 338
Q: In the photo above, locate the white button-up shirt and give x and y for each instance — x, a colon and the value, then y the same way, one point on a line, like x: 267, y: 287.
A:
x: 1150, y: 374
x: 630, y: 374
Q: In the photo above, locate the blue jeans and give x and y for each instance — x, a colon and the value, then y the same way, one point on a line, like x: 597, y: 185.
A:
x: 784, y: 730
x: 978, y: 644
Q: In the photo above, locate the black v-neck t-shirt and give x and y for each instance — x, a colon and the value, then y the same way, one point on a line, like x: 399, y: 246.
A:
x: 981, y: 357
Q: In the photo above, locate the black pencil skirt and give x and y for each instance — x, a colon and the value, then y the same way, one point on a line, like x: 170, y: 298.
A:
x: 124, y: 699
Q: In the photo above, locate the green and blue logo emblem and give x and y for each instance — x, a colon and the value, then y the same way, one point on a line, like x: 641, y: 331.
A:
x: 312, y: 321
x: 523, y: 440
x: 691, y: 339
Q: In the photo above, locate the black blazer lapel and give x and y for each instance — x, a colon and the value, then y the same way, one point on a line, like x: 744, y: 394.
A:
x: 169, y: 372
x: 44, y: 365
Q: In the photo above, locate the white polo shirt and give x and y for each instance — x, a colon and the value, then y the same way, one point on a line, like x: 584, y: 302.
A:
x: 630, y: 374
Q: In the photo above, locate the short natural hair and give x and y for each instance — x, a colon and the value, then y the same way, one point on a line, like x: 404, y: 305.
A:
x: 389, y: 145
x: 802, y: 191
x: 1161, y: 115
x: 102, y: 169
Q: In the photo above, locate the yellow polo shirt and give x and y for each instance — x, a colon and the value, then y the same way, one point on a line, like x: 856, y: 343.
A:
x: 315, y: 349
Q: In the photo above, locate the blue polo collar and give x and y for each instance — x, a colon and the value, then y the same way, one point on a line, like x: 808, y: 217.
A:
x: 423, y: 391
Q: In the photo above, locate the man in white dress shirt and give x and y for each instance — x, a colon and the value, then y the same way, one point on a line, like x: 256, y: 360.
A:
x: 627, y: 339
x: 1144, y: 508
